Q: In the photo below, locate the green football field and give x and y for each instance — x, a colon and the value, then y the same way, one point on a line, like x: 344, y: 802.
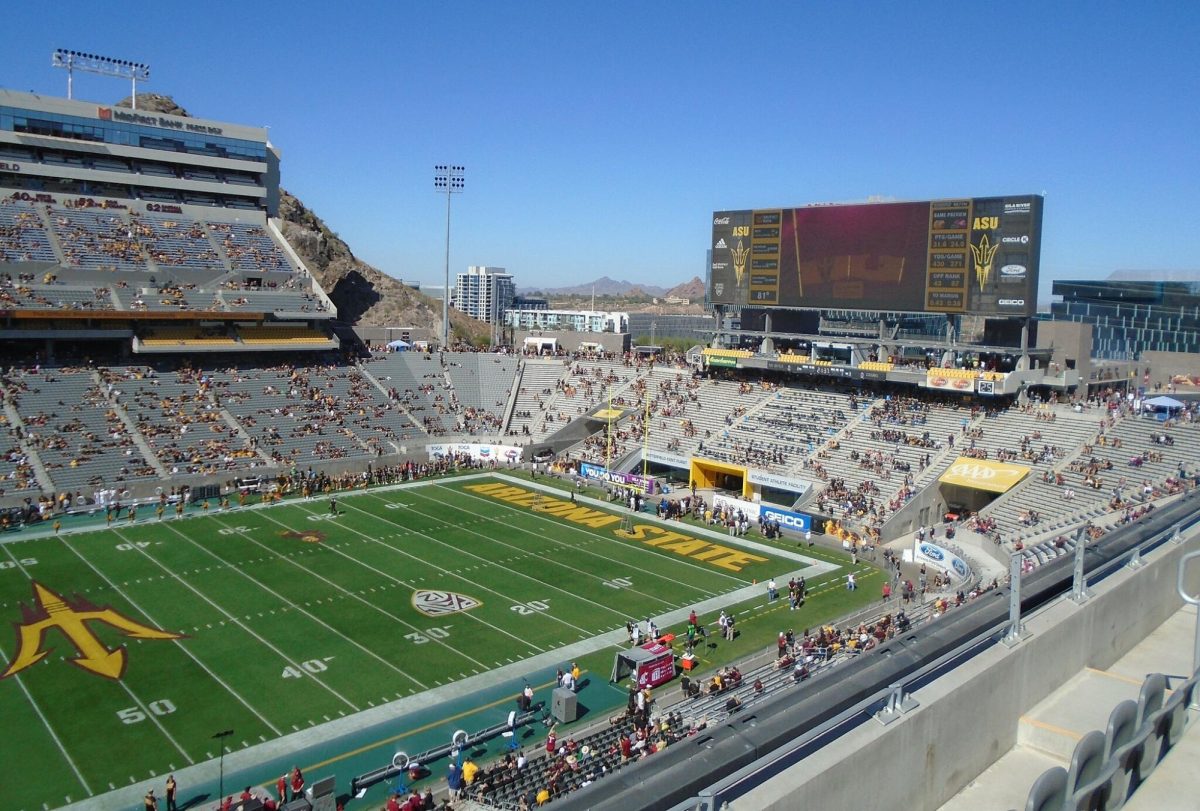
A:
x: 127, y: 648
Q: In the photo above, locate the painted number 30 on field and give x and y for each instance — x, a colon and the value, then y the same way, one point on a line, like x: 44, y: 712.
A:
x: 419, y: 638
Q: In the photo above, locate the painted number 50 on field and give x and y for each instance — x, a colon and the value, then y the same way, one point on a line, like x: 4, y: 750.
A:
x: 135, y: 715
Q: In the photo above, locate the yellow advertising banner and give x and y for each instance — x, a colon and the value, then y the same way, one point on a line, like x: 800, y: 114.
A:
x: 981, y: 474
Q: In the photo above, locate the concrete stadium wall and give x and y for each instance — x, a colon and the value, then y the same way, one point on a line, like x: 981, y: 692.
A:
x: 925, y: 508
x: 968, y: 719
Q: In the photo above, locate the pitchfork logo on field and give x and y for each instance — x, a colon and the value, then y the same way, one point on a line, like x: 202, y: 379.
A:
x: 308, y: 536
x: 53, y: 611
x: 438, y: 603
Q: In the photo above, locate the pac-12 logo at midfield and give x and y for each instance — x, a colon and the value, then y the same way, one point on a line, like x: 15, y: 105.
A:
x: 439, y: 603
x: 52, y: 611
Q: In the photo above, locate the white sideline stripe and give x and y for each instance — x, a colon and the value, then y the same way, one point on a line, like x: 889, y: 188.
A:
x: 242, y: 625
x: 817, y: 566
x: 593, y: 536
x: 658, y: 557
x: 45, y: 722
x: 560, y: 544
x: 548, y: 615
x: 467, y: 614
x: 345, y: 591
x: 177, y: 642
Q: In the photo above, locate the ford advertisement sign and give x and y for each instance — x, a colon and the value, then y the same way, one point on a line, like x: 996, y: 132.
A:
x: 943, y: 559
x: 932, y: 552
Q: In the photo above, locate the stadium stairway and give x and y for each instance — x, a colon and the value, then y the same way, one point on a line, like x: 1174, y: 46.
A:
x: 244, y: 435
x: 536, y: 376
x: 35, y: 461
x: 131, y: 427
x: 43, y: 213
x: 398, y: 405
x: 1048, y: 733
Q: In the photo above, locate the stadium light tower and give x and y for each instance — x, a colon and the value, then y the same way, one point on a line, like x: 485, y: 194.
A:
x: 102, y: 65
x: 447, y: 180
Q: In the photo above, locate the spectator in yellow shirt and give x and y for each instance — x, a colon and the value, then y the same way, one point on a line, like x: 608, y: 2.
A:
x: 469, y: 771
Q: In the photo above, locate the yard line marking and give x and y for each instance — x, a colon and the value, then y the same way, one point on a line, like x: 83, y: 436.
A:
x: 152, y: 716
x: 460, y: 551
x: 177, y: 642
x: 128, y: 690
x: 588, y: 535
x: 362, y: 600
x: 389, y: 576
x: 560, y: 544
x: 57, y: 741
x: 283, y: 599
x: 239, y: 623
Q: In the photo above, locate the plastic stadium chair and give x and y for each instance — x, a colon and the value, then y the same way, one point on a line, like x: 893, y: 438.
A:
x: 1175, y: 714
x: 1096, y: 794
x: 1049, y: 792
x: 1085, y: 776
x: 1150, y: 701
x: 1188, y: 689
x: 1123, y: 751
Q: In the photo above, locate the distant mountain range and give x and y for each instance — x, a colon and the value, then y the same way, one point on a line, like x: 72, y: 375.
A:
x: 605, y: 286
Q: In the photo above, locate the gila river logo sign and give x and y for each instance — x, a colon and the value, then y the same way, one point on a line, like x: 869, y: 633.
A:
x: 52, y: 611
x: 440, y: 603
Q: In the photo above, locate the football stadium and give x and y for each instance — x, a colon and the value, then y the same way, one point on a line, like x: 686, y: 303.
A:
x: 880, y: 507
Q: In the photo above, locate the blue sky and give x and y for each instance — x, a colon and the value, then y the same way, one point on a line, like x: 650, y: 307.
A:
x: 598, y: 138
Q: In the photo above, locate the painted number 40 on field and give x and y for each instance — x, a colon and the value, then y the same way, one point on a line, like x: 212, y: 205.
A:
x: 312, y: 667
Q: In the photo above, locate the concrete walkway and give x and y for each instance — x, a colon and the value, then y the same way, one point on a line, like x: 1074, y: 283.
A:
x: 1048, y: 733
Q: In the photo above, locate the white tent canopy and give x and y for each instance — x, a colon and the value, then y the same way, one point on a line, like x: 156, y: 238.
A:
x: 1164, y: 402
x: 541, y: 344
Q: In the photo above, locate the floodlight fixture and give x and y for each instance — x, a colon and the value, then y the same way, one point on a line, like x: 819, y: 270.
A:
x: 100, y: 65
x: 448, y: 180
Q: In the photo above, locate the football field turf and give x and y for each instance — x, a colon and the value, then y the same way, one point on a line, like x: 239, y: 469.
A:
x: 130, y: 647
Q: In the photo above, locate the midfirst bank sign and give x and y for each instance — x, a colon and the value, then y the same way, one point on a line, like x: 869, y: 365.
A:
x: 132, y: 117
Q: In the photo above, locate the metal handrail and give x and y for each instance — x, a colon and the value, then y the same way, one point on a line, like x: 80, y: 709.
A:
x: 1190, y: 600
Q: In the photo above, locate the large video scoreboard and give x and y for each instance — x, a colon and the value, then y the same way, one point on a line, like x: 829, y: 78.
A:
x: 976, y: 255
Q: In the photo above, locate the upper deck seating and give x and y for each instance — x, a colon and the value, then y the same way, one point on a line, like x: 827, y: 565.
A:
x: 249, y: 247
x: 23, y: 236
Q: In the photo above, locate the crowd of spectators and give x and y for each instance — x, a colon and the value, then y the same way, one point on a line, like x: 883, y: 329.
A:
x: 84, y: 236
x: 22, y: 235
x: 70, y: 429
